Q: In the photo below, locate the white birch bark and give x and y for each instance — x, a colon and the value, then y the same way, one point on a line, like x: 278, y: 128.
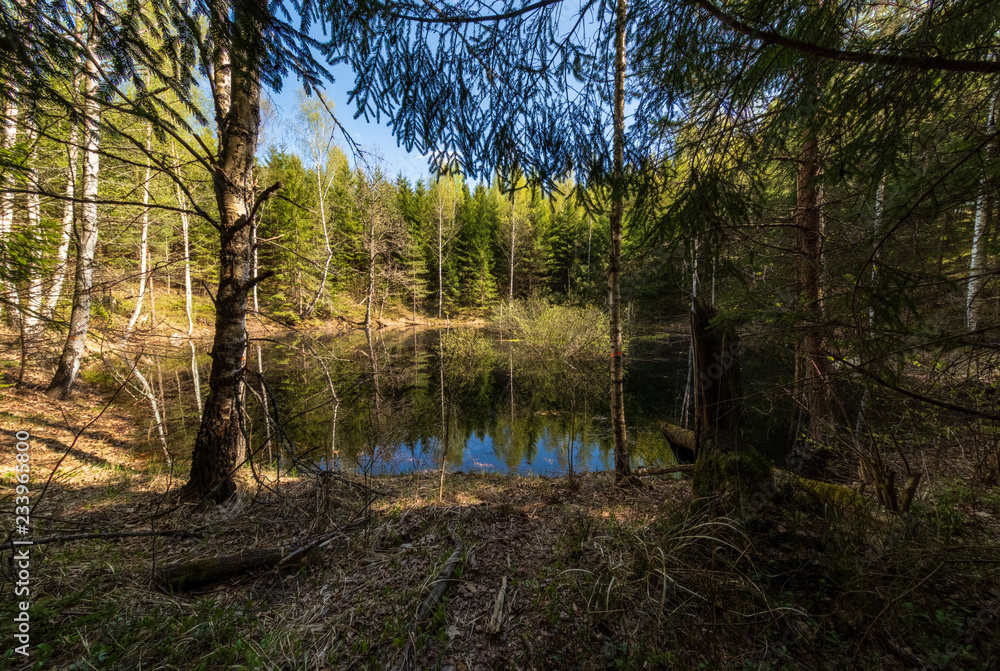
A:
x: 33, y: 307
x: 144, y: 239
x: 978, y: 241
x: 7, y: 141
x: 62, y: 252
x: 76, y: 341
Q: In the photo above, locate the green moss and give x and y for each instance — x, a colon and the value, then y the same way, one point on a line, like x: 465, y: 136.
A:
x: 738, y: 472
x: 837, y: 495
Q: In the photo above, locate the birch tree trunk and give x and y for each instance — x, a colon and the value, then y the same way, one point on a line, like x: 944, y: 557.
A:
x: 326, y: 238
x: 7, y: 141
x: 221, y: 439
x: 623, y: 469
x: 33, y: 307
x: 187, y: 269
x: 69, y: 212
x: 372, y: 218
x: 513, y: 243
x: 86, y: 240
x: 440, y: 260
x: 979, y: 241
x: 144, y: 239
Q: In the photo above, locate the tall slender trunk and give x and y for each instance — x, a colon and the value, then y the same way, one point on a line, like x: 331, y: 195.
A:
x: 513, y: 243
x: 267, y: 412
x: 688, y: 399
x: 69, y: 211
x: 979, y: 240
x: 812, y: 365
x: 623, y: 468
x: 333, y: 394
x: 33, y: 307
x: 185, y: 238
x: 372, y: 218
x: 326, y: 240
x: 195, y: 376
x: 440, y: 260
x: 86, y: 235
x: 978, y: 251
x: 7, y: 142
x: 876, y: 228
x: 144, y: 238
x: 221, y: 439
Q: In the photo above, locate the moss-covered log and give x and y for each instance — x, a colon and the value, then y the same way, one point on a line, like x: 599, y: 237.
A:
x: 739, y: 472
x: 833, y: 494
x: 208, y: 570
x: 683, y: 442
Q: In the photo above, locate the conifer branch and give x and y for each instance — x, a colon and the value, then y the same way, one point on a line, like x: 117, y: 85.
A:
x: 912, y: 62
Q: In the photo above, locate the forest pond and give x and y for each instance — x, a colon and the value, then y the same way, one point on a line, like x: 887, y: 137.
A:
x: 399, y: 400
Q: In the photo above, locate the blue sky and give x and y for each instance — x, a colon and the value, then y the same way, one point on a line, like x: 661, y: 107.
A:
x: 370, y: 136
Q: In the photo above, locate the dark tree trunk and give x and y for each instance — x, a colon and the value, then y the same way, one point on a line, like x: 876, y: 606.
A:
x: 221, y: 442
x: 725, y: 464
x: 209, y: 570
x: 812, y: 363
x: 719, y: 411
x: 623, y: 467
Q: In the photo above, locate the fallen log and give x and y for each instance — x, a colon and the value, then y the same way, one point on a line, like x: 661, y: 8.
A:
x: 664, y: 470
x: 107, y: 535
x: 208, y: 570
x: 682, y: 442
x: 432, y: 601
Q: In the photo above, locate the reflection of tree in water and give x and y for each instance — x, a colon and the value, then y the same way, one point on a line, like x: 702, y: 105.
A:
x: 387, y: 399
x: 507, y: 409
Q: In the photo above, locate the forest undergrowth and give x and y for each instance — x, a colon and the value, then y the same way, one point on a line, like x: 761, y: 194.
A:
x: 551, y: 573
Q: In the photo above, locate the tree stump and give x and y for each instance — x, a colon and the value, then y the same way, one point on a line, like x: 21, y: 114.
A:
x: 724, y: 462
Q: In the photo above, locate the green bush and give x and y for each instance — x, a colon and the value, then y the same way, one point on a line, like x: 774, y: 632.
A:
x: 544, y: 328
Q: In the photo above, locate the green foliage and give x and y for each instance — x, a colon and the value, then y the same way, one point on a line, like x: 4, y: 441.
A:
x: 543, y: 328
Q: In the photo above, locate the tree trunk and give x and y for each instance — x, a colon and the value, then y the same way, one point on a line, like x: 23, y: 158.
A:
x: 371, y: 261
x: 979, y: 241
x: 221, y: 440
x: 144, y: 239
x: 440, y: 260
x: 513, y: 242
x: 876, y: 228
x: 622, y: 462
x: 185, y: 225
x: 812, y: 362
x: 86, y: 240
x: 62, y: 254
x: 208, y: 570
x: 33, y: 307
x: 7, y: 142
x: 326, y: 241
x: 718, y: 397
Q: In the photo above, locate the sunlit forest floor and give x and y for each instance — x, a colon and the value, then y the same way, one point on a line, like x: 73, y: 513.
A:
x: 551, y: 573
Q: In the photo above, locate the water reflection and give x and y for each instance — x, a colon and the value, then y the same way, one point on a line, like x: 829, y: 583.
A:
x: 429, y: 400
x: 395, y: 401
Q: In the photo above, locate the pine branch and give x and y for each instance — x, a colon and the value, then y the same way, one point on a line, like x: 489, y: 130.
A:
x: 913, y: 62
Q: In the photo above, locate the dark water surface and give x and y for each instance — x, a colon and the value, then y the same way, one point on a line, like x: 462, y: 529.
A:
x: 396, y: 400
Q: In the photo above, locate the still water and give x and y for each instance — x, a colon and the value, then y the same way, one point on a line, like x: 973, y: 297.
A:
x: 398, y: 400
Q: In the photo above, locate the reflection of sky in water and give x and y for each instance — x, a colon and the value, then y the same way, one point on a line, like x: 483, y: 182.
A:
x: 480, y: 455
x: 508, y: 414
